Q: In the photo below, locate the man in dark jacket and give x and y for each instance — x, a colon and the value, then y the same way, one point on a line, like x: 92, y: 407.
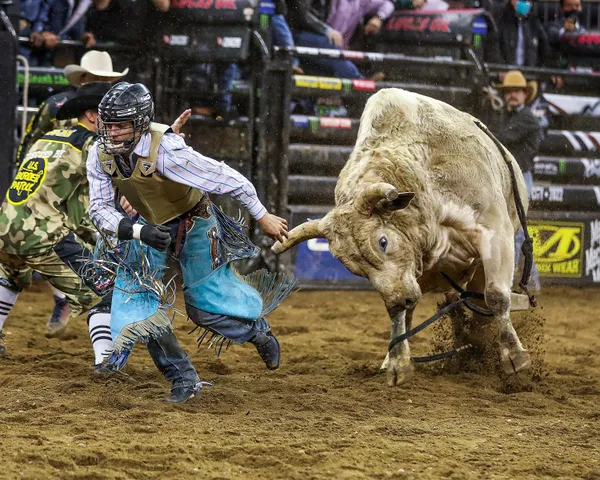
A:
x: 308, y: 22
x: 519, y: 131
x: 521, y: 38
x: 566, y: 21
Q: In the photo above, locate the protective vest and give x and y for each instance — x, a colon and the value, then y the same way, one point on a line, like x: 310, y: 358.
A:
x: 156, y: 198
x: 48, y: 197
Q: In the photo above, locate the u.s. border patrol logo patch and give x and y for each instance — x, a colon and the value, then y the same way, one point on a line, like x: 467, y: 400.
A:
x: 29, y: 178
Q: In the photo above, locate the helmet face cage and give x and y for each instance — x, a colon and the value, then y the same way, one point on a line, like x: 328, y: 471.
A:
x: 111, y: 146
x: 124, y: 103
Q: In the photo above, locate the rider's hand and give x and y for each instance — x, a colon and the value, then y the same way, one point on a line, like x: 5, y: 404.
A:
x: 127, y: 208
x: 156, y: 236
x: 180, y: 122
x: 274, y: 226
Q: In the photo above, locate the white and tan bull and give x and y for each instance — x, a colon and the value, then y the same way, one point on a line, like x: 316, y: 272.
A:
x: 425, y: 190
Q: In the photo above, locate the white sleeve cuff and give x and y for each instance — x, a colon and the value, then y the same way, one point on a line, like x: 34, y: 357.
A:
x: 137, y: 229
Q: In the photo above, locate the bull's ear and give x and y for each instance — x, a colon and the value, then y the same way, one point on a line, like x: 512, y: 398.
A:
x: 399, y: 203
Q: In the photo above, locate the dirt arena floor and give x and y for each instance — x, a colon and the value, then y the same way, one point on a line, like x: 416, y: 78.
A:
x: 327, y: 413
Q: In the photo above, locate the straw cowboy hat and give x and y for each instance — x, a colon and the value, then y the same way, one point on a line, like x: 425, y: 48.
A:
x: 515, y: 79
x: 94, y: 62
x: 87, y: 97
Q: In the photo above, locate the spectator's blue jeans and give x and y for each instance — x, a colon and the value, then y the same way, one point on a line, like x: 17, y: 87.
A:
x: 172, y: 361
x: 325, y: 66
x: 520, y: 239
x: 226, y: 75
x: 282, y: 35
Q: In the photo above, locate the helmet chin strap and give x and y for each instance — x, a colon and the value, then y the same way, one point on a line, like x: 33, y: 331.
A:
x: 122, y: 148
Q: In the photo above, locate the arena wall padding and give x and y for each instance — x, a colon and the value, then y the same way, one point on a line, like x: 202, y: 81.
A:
x: 566, y: 246
x: 434, y: 27
x: 571, y: 143
x: 322, y: 160
x: 213, y: 12
x: 567, y: 170
x: 211, y: 43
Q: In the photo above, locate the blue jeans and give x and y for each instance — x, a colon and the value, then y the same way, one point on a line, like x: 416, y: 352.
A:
x: 226, y: 75
x: 282, y: 35
x: 238, y: 330
x: 325, y: 66
x: 172, y: 361
x: 520, y: 239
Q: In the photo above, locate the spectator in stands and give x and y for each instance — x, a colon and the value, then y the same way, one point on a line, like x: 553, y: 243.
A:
x: 521, y: 39
x: 345, y: 15
x: 566, y: 21
x: 55, y: 20
x: 131, y: 23
x: 281, y: 33
x: 519, y: 131
x: 307, y: 20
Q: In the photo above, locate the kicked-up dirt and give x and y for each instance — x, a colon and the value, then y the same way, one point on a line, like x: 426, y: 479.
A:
x: 327, y: 413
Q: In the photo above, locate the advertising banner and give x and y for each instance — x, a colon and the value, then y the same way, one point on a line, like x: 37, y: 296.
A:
x: 438, y: 27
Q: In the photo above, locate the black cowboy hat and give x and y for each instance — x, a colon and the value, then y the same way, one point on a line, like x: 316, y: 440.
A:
x: 87, y: 97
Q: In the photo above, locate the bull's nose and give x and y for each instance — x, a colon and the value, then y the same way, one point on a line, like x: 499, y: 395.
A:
x: 405, y: 303
x: 409, y: 303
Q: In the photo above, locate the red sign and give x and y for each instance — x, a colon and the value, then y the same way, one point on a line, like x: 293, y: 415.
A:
x: 331, y: 122
x: 363, y: 85
x: 353, y: 55
x: 419, y: 23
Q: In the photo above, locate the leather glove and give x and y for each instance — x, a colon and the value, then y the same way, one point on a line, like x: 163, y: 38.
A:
x: 155, y: 236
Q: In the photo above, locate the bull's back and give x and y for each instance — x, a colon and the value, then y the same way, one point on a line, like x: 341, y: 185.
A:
x: 420, y: 133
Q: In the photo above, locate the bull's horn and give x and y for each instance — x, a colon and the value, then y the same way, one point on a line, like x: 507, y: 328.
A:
x: 302, y: 232
x: 372, y: 195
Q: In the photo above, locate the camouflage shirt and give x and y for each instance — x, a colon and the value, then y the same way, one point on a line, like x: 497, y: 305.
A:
x: 43, y: 122
x: 49, y: 196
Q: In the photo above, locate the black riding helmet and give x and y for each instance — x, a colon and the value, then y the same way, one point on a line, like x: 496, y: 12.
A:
x: 124, y: 102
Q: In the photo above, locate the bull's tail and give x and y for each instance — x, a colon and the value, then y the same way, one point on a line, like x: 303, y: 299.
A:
x: 527, y: 247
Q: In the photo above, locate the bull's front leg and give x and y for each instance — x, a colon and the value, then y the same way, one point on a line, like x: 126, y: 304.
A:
x: 496, y: 252
x: 397, y: 362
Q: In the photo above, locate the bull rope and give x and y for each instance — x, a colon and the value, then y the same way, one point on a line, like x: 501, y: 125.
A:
x: 465, y: 297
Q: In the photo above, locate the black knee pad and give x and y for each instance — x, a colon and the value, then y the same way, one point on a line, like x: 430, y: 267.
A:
x: 10, y: 285
x: 103, y: 306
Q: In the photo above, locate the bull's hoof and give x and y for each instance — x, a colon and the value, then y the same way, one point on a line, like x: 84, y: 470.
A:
x: 513, y: 362
x: 397, y: 373
x: 386, y: 361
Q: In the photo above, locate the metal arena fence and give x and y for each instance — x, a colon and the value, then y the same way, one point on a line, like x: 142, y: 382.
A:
x: 293, y: 159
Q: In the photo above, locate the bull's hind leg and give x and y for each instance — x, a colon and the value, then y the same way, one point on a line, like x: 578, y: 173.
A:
x: 497, y: 254
x: 397, y: 362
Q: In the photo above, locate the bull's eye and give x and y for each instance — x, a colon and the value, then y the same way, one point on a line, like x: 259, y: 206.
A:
x: 383, y: 243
